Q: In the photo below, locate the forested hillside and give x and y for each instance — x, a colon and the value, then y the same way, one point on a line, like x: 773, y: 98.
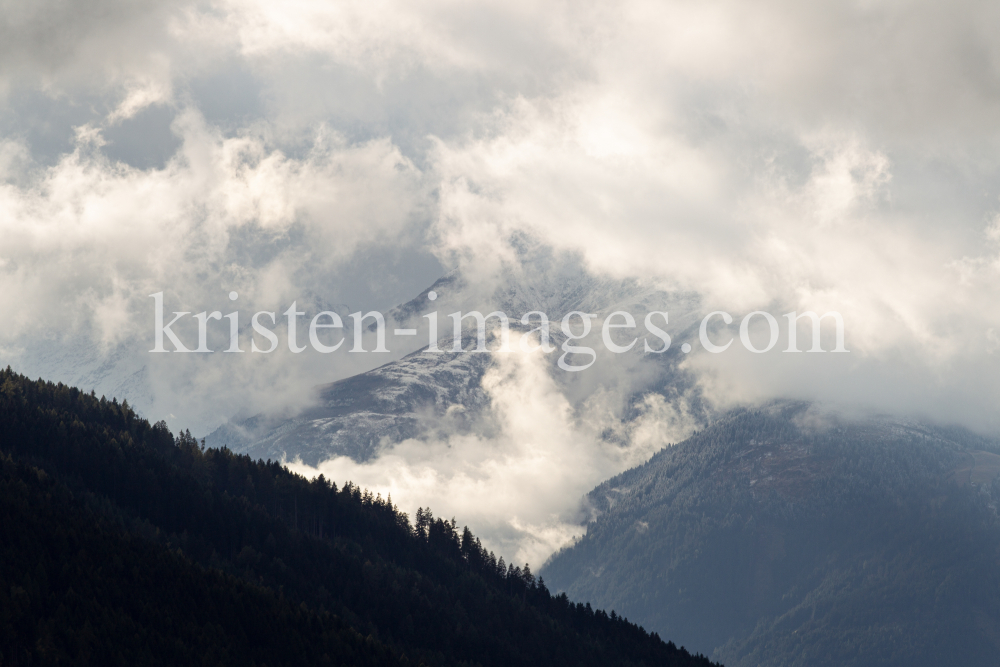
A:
x: 123, y: 545
x: 785, y: 536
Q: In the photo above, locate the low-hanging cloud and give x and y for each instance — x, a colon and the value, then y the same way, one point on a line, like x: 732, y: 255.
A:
x: 522, y: 488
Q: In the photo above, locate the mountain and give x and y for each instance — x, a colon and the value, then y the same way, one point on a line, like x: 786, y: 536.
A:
x: 787, y: 535
x: 359, y: 415
x: 121, y: 545
x: 428, y: 392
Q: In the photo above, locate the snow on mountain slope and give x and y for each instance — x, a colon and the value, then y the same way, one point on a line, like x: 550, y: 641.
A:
x: 428, y: 392
x: 788, y: 527
x: 358, y: 416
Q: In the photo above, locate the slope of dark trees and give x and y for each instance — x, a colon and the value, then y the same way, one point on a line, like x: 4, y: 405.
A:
x: 783, y: 536
x: 123, y: 545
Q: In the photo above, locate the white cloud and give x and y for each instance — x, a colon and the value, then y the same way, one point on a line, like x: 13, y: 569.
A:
x: 828, y: 236
x: 522, y: 489
x: 86, y: 241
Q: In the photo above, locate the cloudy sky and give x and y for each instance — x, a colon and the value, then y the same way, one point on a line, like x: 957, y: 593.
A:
x: 772, y: 155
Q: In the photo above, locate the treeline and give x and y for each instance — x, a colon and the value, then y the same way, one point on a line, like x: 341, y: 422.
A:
x: 168, y: 520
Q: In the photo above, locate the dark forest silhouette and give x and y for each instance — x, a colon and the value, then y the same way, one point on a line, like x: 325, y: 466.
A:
x: 121, y: 544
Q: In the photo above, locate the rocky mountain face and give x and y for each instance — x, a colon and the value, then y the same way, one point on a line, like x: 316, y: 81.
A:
x: 427, y: 392
x: 355, y: 417
x: 786, y: 536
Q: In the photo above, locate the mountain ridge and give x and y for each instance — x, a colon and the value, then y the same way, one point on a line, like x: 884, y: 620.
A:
x: 409, y: 397
x: 783, y: 523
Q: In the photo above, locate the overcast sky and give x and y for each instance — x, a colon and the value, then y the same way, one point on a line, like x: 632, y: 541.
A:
x: 770, y: 155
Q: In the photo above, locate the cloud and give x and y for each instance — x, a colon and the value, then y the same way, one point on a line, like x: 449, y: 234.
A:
x: 74, y: 47
x: 827, y: 233
x: 86, y: 242
x: 153, y: 228
x: 522, y: 489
